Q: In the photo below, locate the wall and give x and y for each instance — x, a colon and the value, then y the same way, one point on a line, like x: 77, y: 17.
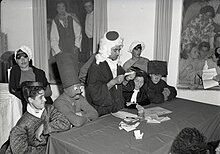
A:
x: 134, y: 20
x: 17, y: 23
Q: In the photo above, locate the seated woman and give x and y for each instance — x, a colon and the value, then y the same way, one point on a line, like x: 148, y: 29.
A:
x: 136, y: 60
x: 25, y: 71
x: 134, y: 92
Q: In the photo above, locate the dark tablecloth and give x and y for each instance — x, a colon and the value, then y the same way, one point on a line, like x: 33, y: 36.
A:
x: 104, y: 137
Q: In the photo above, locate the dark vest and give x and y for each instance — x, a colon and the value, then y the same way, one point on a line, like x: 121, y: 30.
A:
x: 66, y: 35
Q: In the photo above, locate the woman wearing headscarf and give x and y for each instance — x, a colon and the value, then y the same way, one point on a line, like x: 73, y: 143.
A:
x: 136, y: 60
x: 25, y: 71
x: 105, y: 76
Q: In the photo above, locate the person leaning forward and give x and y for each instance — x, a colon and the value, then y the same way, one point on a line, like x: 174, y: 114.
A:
x: 105, y: 76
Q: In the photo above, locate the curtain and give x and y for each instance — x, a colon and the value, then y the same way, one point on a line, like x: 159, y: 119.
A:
x: 163, y: 22
x: 40, y: 35
x: 100, y: 21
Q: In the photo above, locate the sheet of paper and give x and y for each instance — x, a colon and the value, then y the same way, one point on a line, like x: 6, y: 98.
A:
x: 207, y: 80
x: 127, y: 127
x: 124, y: 115
x: 156, y: 110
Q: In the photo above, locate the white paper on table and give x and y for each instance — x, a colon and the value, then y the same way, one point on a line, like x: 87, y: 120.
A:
x: 155, y: 119
x: 156, y: 110
x: 127, y: 127
x: 124, y: 115
x: 207, y: 78
x: 138, y: 134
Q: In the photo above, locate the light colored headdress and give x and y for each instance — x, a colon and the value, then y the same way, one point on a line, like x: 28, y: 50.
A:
x: 26, y: 50
x: 109, y: 40
x: 134, y: 44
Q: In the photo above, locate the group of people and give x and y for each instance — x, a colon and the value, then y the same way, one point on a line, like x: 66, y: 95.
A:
x: 108, y: 89
x: 65, y: 34
x: 199, y: 42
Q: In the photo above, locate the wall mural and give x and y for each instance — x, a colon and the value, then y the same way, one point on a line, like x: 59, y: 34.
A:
x: 199, y: 61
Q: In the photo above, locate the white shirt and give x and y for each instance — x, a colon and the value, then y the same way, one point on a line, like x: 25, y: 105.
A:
x: 89, y: 24
x: 134, y: 96
x: 54, y: 36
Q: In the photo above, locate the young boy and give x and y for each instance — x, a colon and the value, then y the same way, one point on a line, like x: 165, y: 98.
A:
x: 158, y: 90
x: 134, y: 92
x: 31, y: 132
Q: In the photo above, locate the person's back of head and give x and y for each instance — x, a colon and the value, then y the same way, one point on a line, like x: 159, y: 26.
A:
x: 189, y: 141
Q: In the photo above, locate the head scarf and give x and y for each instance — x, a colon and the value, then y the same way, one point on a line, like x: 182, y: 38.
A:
x: 134, y: 44
x: 26, y: 50
x: 109, y: 40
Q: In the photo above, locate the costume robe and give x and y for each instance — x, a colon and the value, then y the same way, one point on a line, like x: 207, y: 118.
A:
x: 97, y: 93
x: 22, y: 136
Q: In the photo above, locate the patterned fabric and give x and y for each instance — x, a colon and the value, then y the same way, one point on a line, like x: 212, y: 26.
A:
x: 198, y: 30
x: 22, y: 136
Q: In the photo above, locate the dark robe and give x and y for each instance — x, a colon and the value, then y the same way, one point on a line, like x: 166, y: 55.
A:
x: 155, y: 91
x: 142, y: 98
x: 22, y: 136
x: 103, y: 100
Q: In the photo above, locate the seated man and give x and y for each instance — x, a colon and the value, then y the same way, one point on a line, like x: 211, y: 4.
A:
x: 31, y: 132
x: 191, y: 141
x: 158, y: 90
x: 71, y: 103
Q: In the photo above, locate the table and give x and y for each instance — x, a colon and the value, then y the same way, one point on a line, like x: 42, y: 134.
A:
x: 104, y: 137
x: 10, y: 112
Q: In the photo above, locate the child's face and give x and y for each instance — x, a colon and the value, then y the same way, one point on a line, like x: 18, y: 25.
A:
x: 155, y: 78
x: 139, y: 82
x: 39, y: 101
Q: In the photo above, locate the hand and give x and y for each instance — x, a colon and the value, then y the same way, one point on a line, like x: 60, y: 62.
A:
x: 130, y: 103
x: 39, y: 132
x: 130, y: 77
x: 216, y: 78
x: 76, y: 49
x: 166, y: 93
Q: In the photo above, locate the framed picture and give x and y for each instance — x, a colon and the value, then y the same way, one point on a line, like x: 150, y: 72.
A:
x: 200, y: 38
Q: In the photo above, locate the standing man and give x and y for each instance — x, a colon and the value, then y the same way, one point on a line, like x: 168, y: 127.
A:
x: 89, y: 7
x: 66, y: 33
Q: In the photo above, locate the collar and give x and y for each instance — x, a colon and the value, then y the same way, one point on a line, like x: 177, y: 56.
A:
x: 34, y: 112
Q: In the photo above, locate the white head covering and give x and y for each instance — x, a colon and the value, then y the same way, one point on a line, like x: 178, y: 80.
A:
x: 134, y: 44
x: 26, y: 50
x: 109, y: 40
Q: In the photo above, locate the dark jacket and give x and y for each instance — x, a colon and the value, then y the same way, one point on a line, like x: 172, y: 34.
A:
x: 142, y: 98
x: 155, y: 91
x: 103, y: 100
x: 14, y: 82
